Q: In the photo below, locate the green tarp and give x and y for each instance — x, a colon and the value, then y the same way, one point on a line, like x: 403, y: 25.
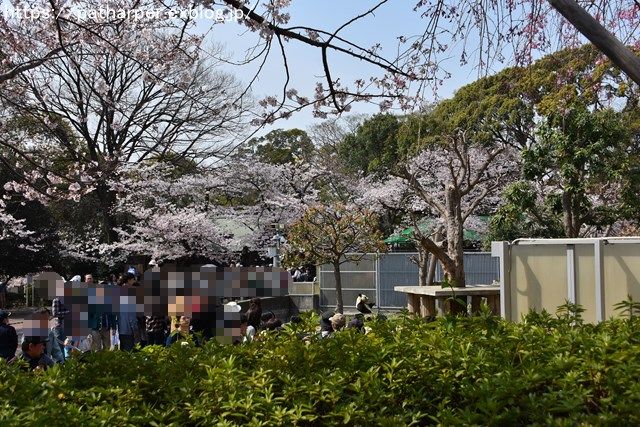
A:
x: 404, y: 237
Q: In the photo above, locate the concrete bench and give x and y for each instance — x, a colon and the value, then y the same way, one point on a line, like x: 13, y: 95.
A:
x: 431, y: 300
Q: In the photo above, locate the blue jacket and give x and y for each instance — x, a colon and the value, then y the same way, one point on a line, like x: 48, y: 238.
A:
x: 127, y: 321
x: 54, y: 349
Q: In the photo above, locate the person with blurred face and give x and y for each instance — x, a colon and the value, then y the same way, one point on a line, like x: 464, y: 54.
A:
x: 59, y: 312
x: 101, y: 323
x: 127, y: 321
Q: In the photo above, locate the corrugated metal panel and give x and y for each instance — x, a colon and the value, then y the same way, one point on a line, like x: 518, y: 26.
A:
x: 395, y: 269
x: 480, y: 268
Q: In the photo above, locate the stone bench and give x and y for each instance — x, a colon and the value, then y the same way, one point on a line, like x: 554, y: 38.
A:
x: 431, y: 300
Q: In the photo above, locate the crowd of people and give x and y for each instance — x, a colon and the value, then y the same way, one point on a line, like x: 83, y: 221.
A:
x: 126, y: 330
x: 302, y: 274
x: 108, y: 331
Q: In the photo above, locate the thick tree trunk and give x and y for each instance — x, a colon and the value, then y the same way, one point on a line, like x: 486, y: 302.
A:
x: 338, y: 278
x: 569, y: 216
x: 455, y: 240
x: 107, y: 202
x: 454, y: 268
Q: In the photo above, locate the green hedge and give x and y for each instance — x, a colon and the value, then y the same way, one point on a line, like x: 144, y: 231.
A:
x: 454, y: 371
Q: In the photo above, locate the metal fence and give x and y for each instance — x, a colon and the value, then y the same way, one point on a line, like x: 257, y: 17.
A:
x: 356, y: 278
x: 376, y: 276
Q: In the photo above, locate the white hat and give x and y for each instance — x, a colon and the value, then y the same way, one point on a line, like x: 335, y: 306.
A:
x: 232, y: 307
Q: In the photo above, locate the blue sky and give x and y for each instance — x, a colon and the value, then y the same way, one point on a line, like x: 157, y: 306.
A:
x: 390, y: 21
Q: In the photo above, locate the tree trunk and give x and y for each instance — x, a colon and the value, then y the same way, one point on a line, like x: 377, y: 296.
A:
x: 568, y: 215
x: 423, y: 266
x: 577, y: 217
x: 455, y: 240
x: 433, y: 261
x: 107, y: 202
x: 454, y: 269
x: 338, y: 278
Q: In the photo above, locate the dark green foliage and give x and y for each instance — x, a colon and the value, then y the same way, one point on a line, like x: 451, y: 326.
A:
x: 16, y: 260
x: 579, y: 157
x: 521, y: 214
x: 281, y: 146
x: 453, y: 371
x: 373, y: 148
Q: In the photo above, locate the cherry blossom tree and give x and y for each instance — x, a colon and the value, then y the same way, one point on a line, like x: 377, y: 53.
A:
x: 169, y: 213
x: 451, y: 182
x: 166, y: 214
x: 13, y: 228
x: 261, y: 194
x: 102, y: 107
x: 39, y: 31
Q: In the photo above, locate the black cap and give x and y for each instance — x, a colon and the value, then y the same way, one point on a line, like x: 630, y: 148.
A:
x: 355, y: 323
x: 36, y: 340
x: 4, y: 314
x: 327, y: 314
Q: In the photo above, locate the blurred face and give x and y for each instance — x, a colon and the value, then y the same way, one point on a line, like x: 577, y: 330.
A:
x: 88, y: 278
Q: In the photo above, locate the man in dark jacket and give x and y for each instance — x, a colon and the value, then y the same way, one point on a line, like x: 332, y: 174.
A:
x: 33, y: 353
x: 102, y: 322
x: 8, y: 337
x: 157, y: 327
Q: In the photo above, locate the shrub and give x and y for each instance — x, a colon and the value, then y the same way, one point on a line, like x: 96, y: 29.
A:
x: 462, y: 371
